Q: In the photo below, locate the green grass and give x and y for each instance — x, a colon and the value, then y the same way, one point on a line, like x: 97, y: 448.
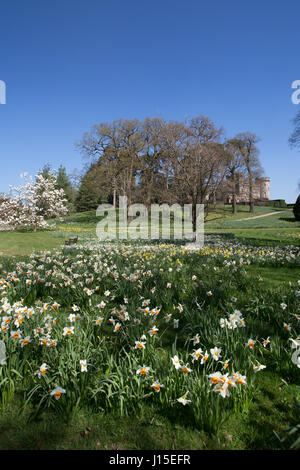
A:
x: 224, y: 213
x: 272, y: 277
x: 263, y: 237
x: 279, y: 229
x: 283, y: 219
x: 220, y: 214
x: 19, y: 244
x: 270, y: 415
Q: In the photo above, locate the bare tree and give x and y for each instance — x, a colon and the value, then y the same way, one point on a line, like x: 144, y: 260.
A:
x: 236, y: 166
x: 249, y: 152
x: 194, y: 161
x: 168, y: 161
x: 150, y: 171
x: 118, y: 145
x: 294, y: 139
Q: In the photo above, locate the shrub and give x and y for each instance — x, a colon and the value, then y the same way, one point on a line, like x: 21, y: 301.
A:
x: 278, y: 203
x: 296, y: 208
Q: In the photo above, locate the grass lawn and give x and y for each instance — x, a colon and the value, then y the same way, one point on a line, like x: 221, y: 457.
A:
x: 262, y: 237
x: 224, y: 212
x: 270, y: 277
x: 19, y: 244
x: 283, y: 219
x: 281, y: 229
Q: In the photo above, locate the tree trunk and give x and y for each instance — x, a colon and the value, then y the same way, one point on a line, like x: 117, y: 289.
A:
x: 194, y: 220
x: 234, y: 210
x: 251, y: 201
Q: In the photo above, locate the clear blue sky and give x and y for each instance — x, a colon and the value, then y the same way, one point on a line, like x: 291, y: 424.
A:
x: 69, y: 64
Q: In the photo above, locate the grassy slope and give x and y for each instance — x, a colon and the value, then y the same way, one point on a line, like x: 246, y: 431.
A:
x: 279, y: 228
x: 224, y: 212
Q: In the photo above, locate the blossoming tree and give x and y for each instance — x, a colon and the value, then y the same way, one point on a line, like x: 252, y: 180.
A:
x: 30, y: 204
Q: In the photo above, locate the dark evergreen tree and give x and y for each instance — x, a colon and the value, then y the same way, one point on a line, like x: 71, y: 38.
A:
x: 63, y: 182
x: 88, y: 197
x: 296, y: 208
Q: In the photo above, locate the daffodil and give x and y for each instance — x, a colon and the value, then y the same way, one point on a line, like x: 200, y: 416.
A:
x: 68, y: 330
x: 25, y: 341
x: 215, y: 353
x: 250, y: 343
x: 57, y: 392
x: 157, y: 386
x: 143, y: 370
x: 183, y: 400
x: 42, y: 370
x: 204, y: 357
x: 176, y: 362
x: 153, y: 331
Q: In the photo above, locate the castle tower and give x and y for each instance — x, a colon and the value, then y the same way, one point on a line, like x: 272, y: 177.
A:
x: 265, y: 188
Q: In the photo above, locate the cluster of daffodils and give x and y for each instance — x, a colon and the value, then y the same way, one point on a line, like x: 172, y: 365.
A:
x: 17, y: 320
x: 200, y: 355
x: 235, y: 320
x: 223, y: 382
x: 177, y: 363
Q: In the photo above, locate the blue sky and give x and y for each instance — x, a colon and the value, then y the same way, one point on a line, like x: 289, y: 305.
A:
x: 68, y: 65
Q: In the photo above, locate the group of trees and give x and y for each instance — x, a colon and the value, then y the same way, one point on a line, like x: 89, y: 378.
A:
x: 160, y: 161
x: 149, y: 161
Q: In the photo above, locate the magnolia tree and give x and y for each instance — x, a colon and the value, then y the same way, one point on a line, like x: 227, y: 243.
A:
x: 30, y: 204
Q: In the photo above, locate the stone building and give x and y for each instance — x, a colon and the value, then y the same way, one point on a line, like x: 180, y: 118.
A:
x: 261, y: 190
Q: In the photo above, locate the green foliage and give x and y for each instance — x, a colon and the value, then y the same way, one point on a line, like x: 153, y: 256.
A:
x: 63, y: 182
x: 296, y: 208
x: 277, y: 203
x: 88, y: 197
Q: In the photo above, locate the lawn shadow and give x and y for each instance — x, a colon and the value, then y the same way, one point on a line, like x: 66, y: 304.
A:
x: 288, y: 219
x: 19, y: 433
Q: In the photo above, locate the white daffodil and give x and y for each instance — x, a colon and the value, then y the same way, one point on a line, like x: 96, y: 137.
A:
x: 183, y: 400
x: 68, y: 330
x: 216, y: 353
x: 57, y: 392
x: 83, y: 365
x: 176, y: 362
x: 143, y: 370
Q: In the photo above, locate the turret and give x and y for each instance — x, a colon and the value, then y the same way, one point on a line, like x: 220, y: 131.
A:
x: 265, y: 188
